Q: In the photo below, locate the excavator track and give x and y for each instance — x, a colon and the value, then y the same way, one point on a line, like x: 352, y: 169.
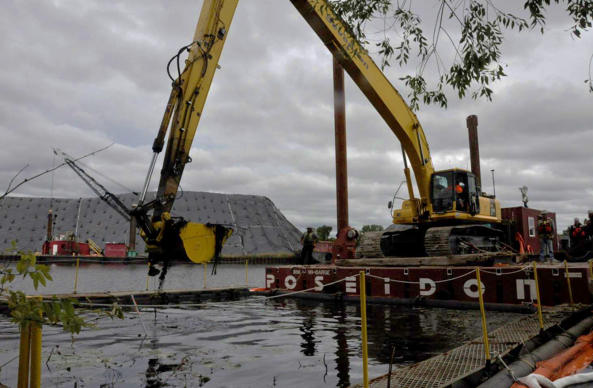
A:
x: 370, y: 245
x: 433, y: 242
x: 436, y: 241
x: 460, y: 240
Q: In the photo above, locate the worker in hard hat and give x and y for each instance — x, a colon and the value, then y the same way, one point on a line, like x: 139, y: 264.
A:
x: 309, y: 239
x: 546, y: 231
x: 460, y: 195
x: 589, y: 226
x: 577, y: 233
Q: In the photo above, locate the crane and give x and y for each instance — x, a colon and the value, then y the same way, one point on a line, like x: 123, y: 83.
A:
x: 449, y: 215
x: 106, y: 196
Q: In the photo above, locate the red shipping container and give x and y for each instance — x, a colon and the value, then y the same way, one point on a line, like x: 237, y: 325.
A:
x: 115, y: 250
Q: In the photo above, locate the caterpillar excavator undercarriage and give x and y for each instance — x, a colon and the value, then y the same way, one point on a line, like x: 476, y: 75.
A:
x: 433, y: 241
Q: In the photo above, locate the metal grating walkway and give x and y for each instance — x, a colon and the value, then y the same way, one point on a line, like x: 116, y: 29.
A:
x: 463, y: 361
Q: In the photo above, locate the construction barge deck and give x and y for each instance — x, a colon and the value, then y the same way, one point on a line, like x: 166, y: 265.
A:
x: 512, y: 284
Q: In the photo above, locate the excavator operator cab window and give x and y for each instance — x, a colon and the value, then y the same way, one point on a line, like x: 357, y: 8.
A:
x: 454, y: 187
x: 461, y: 192
x: 442, y: 189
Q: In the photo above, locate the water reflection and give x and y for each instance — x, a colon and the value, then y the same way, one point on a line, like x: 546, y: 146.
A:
x: 308, y: 336
x: 283, y: 342
x: 342, y: 349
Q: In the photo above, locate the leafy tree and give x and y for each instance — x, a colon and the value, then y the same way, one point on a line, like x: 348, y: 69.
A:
x: 323, y: 232
x: 477, y: 36
x: 371, y: 228
x: 25, y: 311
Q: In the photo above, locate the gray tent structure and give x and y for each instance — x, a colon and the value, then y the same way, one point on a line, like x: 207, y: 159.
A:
x: 259, y: 227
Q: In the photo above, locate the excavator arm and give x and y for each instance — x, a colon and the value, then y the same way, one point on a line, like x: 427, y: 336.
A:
x: 375, y: 86
x: 162, y: 233
x: 188, y: 97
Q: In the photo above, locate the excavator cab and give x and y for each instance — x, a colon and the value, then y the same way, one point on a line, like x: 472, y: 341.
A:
x: 454, y: 190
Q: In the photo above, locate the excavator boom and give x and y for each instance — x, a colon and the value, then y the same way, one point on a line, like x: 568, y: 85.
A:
x: 163, y: 234
x: 373, y: 83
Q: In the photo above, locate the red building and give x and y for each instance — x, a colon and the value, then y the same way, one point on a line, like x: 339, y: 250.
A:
x: 524, y: 220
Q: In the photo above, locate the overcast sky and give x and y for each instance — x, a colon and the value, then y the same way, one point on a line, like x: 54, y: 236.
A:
x: 79, y: 75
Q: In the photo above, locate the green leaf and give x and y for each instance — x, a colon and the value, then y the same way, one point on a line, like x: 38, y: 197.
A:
x: 68, y: 308
x: 41, y: 279
x: 57, y: 308
x: 49, y: 312
x: 35, y: 278
x: 64, y: 320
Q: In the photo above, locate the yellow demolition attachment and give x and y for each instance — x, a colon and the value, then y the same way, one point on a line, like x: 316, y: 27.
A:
x: 199, y: 241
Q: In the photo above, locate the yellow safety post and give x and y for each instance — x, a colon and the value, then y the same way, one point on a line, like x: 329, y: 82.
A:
x: 591, y: 270
x: 36, y: 339
x: 483, y: 311
x: 363, y: 317
x: 247, y: 273
x: 24, y: 354
x: 76, y: 275
x: 568, y: 281
x: 539, y: 301
x: 205, y: 269
x: 148, y: 277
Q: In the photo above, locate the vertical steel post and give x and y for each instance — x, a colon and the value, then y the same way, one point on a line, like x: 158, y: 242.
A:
x: 363, y: 317
x: 36, y: 340
x: 148, y: 277
x: 568, y: 282
x: 341, y: 152
x: 132, y: 243
x: 24, y: 357
x: 50, y: 221
x: 139, y: 315
x: 247, y: 273
x: 483, y: 312
x: 76, y: 275
x: 539, y: 301
x: 474, y: 147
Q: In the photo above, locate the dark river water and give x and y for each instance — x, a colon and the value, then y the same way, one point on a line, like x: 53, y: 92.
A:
x: 254, y: 343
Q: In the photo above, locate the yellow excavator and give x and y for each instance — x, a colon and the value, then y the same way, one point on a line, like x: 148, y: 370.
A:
x: 450, y: 215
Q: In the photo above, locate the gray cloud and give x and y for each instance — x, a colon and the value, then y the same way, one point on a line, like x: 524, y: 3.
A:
x: 79, y: 76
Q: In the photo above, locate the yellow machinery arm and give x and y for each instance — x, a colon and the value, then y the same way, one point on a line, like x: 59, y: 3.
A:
x: 376, y: 87
x: 190, y: 91
x: 163, y: 235
x: 188, y: 98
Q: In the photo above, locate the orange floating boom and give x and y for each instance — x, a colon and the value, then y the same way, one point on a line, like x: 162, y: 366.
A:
x: 571, y: 361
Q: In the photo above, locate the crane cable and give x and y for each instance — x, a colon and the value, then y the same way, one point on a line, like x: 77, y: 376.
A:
x: 78, y: 162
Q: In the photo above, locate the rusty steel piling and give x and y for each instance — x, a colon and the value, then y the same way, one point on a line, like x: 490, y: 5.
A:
x: 341, y: 153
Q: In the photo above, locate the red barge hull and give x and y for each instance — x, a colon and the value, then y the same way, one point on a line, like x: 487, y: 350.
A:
x: 502, y: 285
